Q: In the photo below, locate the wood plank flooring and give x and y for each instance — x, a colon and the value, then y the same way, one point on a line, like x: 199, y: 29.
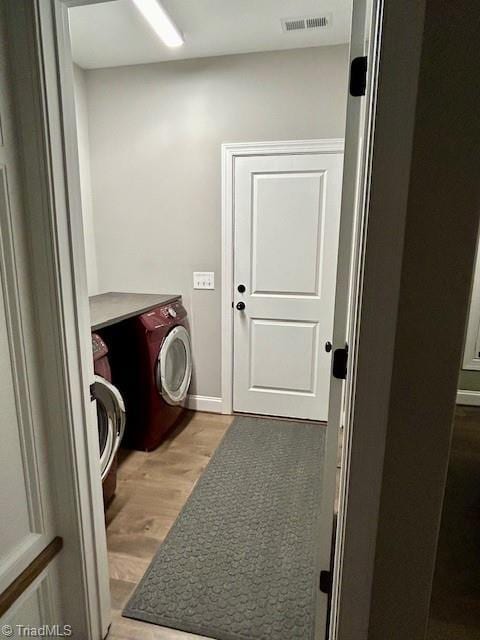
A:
x: 152, y: 488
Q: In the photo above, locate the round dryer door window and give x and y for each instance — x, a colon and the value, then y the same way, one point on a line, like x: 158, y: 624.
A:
x: 111, y: 421
x: 174, y: 366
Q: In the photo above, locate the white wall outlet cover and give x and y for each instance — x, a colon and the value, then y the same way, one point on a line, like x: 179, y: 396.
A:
x: 203, y: 280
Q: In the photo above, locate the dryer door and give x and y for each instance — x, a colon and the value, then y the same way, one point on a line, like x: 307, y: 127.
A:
x: 111, y: 421
x: 174, y: 366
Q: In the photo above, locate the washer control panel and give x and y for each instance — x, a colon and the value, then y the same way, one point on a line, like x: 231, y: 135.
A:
x: 166, y: 316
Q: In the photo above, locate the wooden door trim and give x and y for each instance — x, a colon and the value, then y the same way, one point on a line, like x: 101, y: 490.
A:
x: 21, y: 583
x: 231, y: 151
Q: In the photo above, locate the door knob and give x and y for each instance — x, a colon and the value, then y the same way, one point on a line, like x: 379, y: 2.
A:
x: 328, y: 346
x: 240, y: 306
x: 241, y: 288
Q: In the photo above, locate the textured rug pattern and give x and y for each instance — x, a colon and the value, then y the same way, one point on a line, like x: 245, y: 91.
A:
x: 240, y: 562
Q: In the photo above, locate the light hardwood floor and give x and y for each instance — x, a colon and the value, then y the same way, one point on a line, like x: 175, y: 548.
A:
x: 152, y: 488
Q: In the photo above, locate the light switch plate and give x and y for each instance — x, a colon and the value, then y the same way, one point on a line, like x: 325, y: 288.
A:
x: 203, y: 280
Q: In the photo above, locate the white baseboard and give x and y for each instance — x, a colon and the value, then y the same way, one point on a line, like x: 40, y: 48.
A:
x: 470, y: 398
x: 205, y: 403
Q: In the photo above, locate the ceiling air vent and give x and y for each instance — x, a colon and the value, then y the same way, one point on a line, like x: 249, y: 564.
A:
x: 306, y: 24
x: 293, y: 25
x: 317, y: 22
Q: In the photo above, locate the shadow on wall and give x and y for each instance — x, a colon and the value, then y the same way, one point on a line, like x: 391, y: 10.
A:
x: 455, y: 607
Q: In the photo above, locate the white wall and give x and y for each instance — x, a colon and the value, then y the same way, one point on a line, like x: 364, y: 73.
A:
x: 85, y: 177
x: 155, y: 137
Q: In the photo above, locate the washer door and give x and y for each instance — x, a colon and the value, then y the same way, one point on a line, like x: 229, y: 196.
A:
x: 174, y: 366
x: 111, y: 421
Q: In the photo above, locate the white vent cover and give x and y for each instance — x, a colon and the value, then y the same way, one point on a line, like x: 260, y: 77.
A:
x: 307, y: 23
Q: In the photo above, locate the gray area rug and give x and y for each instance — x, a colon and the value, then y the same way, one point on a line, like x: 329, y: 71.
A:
x: 240, y: 562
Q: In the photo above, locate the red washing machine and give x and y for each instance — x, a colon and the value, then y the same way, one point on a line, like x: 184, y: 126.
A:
x: 110, y: 417
x: 153, y: 369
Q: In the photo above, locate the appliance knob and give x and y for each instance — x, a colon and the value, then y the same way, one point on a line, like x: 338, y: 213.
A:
x: 171, y: 312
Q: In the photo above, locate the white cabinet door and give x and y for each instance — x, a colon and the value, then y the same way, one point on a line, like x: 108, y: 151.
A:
x: 286, y: 223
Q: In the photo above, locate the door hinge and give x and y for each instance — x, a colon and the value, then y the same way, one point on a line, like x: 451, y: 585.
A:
x: 326, y: 582
x: 340, y: 360
x: 358, y: 76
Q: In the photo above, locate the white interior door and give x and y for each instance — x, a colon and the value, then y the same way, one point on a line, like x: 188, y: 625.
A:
x: 26, y: 522
x: 286, y: 224
x: 366, y: 25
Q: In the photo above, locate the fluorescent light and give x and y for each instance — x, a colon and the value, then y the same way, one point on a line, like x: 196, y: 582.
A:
x: 160, y: 21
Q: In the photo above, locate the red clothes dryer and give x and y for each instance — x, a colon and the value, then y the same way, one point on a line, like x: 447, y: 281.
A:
x: 110, y: 417
x: 153, y: 369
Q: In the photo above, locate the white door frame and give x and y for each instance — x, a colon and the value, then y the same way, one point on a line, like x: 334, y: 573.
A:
x: 231, y: 151
x: 42, y: 85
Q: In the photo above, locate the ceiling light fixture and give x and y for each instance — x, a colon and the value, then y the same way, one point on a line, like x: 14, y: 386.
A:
x: 160, y: 21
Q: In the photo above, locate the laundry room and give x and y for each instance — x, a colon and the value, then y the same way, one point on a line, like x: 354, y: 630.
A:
x: 210, y: 143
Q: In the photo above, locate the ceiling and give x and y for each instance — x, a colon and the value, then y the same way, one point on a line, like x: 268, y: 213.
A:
x: 111, y: 34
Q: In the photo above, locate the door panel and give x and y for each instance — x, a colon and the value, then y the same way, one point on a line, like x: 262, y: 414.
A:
x: 15, y: 529
x: 26, y: 523
x: 287, y: 209
x: 28, y: 611
x: 282, y: 355
x: 21, y: 536
x: 35, y: 608
x: 277, y: 200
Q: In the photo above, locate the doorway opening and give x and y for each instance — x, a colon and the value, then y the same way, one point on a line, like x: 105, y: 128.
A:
x: 150, y: 134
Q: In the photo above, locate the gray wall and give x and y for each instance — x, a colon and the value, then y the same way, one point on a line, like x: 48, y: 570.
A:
x: 469, y: 380
x: 85, y: 177
x: 155, y: 137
